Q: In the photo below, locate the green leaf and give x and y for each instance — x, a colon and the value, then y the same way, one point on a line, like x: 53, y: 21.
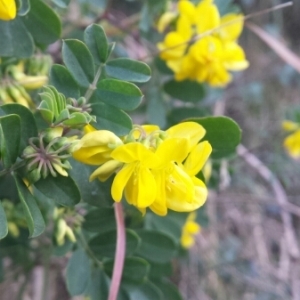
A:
x: 33, y: 216
x: 161, y: 270
x: 95, y: 193
x: 164, y: 224
x: 178, y: 114
x: 24, y: 8
x: 42, y: 23
x: 8, y: 188
x: 156, y: 109
x: 128, y: 70
x: 61, y: 3
x: 63, y: 81
x: 104, y: 244
x: 96, y: 40
x: 187, y: 91
x: 15, y: 39
x: 28, y: 124
x: 78, y: 272
x: 111, y: 118
x: 121, y: 94
x: 135, y: 269
x: 223, y: 133
x: 100, y: 220
x: 10, y: 137
x: 145, y: 291
x: 154, y: 242
x: 63, y: 190
x: 79, y: 61
x: 3, y: 223
x: 168, y: 289
x: 98, y: 285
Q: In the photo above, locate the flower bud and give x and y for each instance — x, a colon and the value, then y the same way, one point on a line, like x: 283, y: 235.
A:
x: 52, y: 133
x: 28, y: 151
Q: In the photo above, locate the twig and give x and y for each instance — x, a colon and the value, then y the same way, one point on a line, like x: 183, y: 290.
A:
x: 280, y: 196
x: 120, y: 253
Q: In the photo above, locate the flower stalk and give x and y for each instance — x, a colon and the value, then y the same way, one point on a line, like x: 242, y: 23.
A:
x: 120, y: 252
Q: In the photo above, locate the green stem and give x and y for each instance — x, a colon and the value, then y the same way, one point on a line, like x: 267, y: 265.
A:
x: 13, y: 168
x: 93, y: 86
x: 120, y: 253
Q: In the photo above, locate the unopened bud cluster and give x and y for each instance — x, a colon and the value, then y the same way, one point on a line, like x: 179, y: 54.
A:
x: 48, y: 154
x: 66, y: 221
x: 18, y: 79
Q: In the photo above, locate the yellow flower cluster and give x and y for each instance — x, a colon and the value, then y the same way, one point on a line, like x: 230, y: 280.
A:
x: 189, y: 230
x: 8, y: 10
x: 155, y: 169
x: 292, y: 142
x: 204, y: 45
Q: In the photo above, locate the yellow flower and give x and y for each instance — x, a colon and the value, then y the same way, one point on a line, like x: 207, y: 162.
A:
x: 96, y: 146
x: 210, y: 57
x: 135, y: 178
x: 292, y: 142
x: 8, y: 10
x: 154, y: 169
x: 189, y: 230
x: 290, y: 126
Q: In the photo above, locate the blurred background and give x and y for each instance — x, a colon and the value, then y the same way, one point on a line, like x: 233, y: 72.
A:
x: 249, y: 245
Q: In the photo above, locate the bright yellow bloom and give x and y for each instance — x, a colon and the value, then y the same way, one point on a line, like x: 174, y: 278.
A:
x: 189, y: 230
x: 292, y: 142
x: 211, y: 56
x: 96, y: 146
x: 8, y: 10
x: 154, y: 169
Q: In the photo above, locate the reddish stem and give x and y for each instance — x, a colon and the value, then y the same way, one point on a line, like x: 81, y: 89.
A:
x: 120, y: 253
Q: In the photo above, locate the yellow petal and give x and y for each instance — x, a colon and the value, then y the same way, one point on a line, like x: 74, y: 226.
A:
x: 289, y: 125
x: 207, y: 15
x: 149, y: 128
x: 92, y: 155
x: 192, y: 227
x: 234, y: 28
x: 292, y: 144
x: 192, y: 131
x: 159, y: 206
x: 180, y: 190
x: 173, y: 149
x: 197, y: 158
x: 187, y: 8
x: 88, y: 128
x: 219, y: 76
x: 140, y: 190
x: 165, y: 20
x: 234, y: 57
x: 100, y: 138
x: 200, y: 192
x: 184, y: 27
x: 8, y: 10
x: 106, y: 170
x: 173, y: 46
x: 121, y: 180
x: 178, y: 203
x: 187, y: 241
x: 132, y: 152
